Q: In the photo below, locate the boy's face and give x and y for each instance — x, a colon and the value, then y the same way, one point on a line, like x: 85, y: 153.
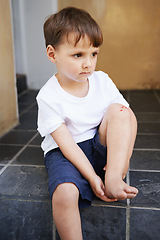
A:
x: 75, y: 63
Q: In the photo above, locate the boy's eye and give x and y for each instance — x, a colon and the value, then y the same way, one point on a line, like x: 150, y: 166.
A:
x: 94, y: 54
x: 77, y: 55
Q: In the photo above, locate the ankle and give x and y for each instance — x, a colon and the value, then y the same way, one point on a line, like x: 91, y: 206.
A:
x: 110, y: 175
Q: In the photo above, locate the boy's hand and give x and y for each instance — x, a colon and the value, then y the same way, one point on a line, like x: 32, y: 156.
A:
x: 98, y: 189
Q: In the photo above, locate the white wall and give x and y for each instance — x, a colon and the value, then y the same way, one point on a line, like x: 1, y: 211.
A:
x: 30, y: 52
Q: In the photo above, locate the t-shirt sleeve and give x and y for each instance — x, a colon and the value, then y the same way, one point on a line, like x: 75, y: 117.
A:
x: 115, y: 96
x: 48, y: 119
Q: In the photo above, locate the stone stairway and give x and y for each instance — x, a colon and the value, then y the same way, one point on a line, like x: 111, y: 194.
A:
x: 25, y: 206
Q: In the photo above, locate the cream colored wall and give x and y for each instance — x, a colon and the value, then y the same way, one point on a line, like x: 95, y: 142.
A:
x: 130, y: 52
x: 8, y: 104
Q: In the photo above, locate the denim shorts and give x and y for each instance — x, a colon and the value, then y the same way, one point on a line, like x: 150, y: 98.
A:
x: 60, y: 170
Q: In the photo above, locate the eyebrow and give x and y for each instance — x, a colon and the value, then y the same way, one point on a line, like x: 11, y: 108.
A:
x: 84, y: 51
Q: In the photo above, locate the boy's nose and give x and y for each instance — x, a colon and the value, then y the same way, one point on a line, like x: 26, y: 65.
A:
x: 87, y: 63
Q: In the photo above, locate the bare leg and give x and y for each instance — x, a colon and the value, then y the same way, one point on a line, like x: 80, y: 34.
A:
x: 66, y: 212
x: 118, y: 131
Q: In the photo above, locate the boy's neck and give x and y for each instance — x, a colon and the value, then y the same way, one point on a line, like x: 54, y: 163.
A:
x: 77, y: 89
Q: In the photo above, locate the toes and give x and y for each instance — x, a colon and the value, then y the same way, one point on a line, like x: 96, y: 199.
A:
x: 135, y: 190
x: 131, y: 190
x: 130, y: 196
x: 121, y: 195
x: 127, y: 193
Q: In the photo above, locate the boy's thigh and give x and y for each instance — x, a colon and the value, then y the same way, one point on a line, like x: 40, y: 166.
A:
x: 61, y: 171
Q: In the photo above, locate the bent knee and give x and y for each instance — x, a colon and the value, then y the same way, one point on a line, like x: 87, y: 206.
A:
x: 65, y: 194
x: 118, y: 110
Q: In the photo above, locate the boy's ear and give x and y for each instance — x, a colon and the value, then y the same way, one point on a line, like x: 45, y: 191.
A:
x: 51, y: 53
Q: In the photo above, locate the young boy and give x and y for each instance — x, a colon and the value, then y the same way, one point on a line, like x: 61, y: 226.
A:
x: 88, y: 126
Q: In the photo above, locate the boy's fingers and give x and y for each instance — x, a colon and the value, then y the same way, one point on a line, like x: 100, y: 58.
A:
x: 106, y: 199
x: 102, y: 196
x: 100, y: 191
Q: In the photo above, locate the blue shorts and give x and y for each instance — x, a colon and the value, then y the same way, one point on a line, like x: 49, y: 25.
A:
x: 60, y: 170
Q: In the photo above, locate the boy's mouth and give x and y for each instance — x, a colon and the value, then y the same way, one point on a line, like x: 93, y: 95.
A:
x: 85, y: 73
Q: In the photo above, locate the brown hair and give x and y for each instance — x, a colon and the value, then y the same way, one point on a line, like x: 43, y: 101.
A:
x: 70, y: 20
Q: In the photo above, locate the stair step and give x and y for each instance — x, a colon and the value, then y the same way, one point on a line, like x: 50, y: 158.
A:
x: 21, y: 82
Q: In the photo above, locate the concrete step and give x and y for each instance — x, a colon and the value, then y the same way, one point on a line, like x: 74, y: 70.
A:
x: 25, y: 206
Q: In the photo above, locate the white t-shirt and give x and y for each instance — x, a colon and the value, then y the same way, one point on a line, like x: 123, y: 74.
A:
x: 81, y: 115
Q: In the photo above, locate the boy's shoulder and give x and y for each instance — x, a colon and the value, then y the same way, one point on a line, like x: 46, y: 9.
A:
x: 100, y: 74
x: 48, y: 87
x: 101, y: 78
x: 103, y: 81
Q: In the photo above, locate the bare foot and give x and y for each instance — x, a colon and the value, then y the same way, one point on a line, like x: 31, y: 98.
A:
x: 117, y: 188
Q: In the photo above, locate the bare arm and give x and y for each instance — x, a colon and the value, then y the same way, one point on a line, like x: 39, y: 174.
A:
x: 77, y: 157
x: 73, y: 152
